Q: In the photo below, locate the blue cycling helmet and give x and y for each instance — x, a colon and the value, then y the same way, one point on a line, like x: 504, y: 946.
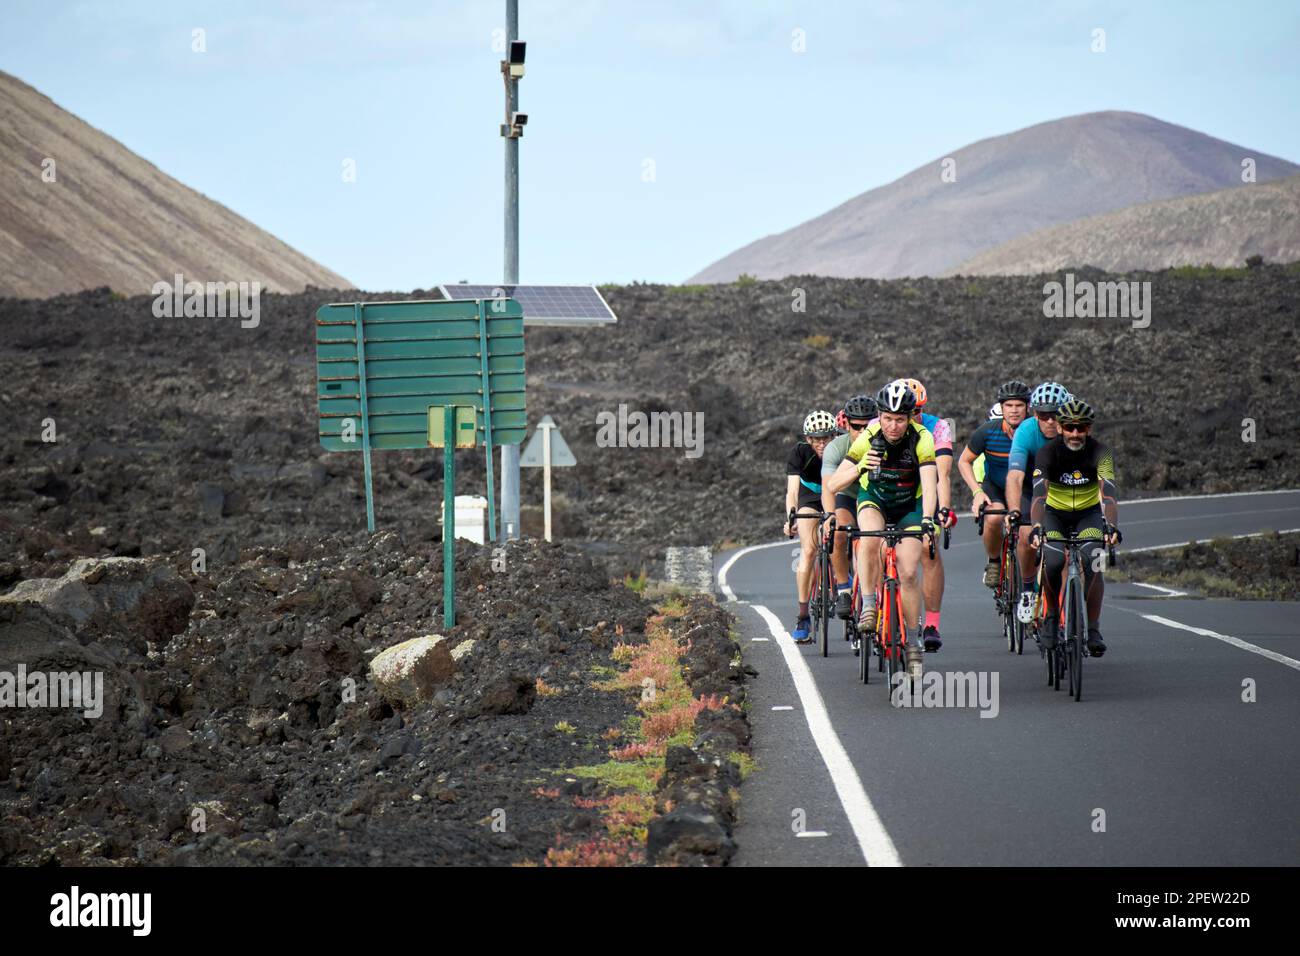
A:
x: 1048, y: 397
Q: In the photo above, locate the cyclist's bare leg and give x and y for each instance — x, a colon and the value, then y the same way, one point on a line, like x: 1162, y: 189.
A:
x: 993, y: 538
x: 807, y: 551
x: 868, y: 550
x: 932, y: 577
x: 1095, y: 595
x: 840, y: 556
x: 1028, y: 556
x: 909, y: 554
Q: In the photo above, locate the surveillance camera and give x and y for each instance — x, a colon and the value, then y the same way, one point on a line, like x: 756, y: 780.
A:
x: 519, y: 119
x: 517, y: 48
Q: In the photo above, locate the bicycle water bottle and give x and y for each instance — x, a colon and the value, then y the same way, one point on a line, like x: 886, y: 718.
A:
x: 878, y: 446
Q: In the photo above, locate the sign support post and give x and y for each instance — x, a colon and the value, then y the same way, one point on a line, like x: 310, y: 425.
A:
x: 359, y: 316
x: 546, y: 476
x: 487, y: 416
x: 448, y: 516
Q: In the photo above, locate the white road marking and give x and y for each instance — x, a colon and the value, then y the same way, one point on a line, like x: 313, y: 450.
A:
x: 722, y: 571
x: 759, y: 640
x: 783, y: 707
x: 1168, y: 592
x: 873, y: 840
x: 812, y: 833
x: 1234, y: 641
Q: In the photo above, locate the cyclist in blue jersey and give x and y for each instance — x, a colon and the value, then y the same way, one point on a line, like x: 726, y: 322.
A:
x: 803, y: 495
x: 1032, y: 434
x: 993, y: 441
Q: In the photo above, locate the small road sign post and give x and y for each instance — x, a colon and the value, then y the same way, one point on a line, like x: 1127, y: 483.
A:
x: 547, y: 448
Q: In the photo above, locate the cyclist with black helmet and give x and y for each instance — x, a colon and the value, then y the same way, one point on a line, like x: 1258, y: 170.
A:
x: 992, y: 440
x: 1032, y: 434
x: 892, y: 464
x: 856, y: 415
x: 1074, y: 483
x: 803, y: 495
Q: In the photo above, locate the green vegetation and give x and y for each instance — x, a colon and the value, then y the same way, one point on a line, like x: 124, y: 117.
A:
x: 745, y: 280
x: 638, y: 583
x: 565, y: 727
x: 685, y: 289
x: 817, y: 341
x: 746, y: 763
x: 1208, y: 271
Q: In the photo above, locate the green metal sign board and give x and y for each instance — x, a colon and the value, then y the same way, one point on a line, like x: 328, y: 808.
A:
x: 381, y: 365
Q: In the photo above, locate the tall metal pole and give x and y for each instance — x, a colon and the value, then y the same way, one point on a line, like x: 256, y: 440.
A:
x: 510, y: 453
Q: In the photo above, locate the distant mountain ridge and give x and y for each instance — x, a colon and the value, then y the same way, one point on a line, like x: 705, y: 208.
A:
x: 111, y: 218
x: 1221, y: 228
x: 1006, y: 187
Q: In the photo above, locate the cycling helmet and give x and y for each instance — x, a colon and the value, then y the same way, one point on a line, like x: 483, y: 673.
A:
x: 841, y: 421
x: 896, y: 397
x: 995, y: 411
x: 819, y: 424
x: 1076, y: 412
x: 917, y: 389
x: 1048, y: 397
x: 860, y: 407
x: 1015, y: 390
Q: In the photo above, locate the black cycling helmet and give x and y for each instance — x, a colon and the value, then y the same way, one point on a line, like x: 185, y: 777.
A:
x: 1076, y: 412
x: 896, y: 397
x: 860, y: 407
x: 1014, y: 390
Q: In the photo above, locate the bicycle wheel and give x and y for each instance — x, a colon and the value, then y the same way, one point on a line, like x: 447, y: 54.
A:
x: 828, y: 603
x: 898, y: 638
x: 1015, y: 585
x: 1079, y: 648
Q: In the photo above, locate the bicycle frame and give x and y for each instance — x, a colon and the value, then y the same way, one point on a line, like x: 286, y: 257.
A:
x: 890, y: 637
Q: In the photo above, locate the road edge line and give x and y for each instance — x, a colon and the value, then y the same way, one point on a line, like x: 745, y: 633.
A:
x: 726, y: 566
x: 873, y: 839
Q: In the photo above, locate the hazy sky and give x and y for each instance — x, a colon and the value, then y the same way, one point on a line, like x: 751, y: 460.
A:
x: 746, y: 136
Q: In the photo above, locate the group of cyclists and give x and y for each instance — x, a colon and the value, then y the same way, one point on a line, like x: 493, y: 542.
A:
x: 884, y: 460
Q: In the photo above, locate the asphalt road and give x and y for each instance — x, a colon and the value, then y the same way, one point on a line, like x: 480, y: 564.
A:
x: 1161, y: 763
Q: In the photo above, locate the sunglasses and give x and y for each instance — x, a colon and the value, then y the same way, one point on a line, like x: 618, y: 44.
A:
x: 858, y: 426
x: 1071, y: 429
x: 1046, y: 416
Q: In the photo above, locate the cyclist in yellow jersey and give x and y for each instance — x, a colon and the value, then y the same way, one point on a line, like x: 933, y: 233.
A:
x: 1074, y: 482
x: 902, y: 492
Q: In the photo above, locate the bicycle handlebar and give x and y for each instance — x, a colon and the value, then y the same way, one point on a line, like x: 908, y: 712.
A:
x: 892, y: 532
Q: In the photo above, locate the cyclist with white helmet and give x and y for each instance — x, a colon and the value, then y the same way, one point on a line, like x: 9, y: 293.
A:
x: 992, y: 442
x: 856, y: 415
x: 892, y: 463
x: 1032, y: 434
x: 803, y: 495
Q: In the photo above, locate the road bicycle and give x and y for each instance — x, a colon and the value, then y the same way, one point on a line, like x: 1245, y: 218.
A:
x: 821, y: 598
x: 1066, y: 659
x: 889, y: 641
x: 1006, y: 596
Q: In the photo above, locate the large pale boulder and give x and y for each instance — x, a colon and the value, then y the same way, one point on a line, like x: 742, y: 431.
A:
x: 411, y: 672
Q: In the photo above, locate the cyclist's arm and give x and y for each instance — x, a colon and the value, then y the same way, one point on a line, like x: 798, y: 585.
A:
x: 929, y: 491
x: 966, y: 468
x: 791, y: 493
x: 845, y: 475
x: 1015, y: 487
x: 1042, y: 467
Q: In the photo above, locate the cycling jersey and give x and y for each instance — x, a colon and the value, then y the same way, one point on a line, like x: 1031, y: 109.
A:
x: 900, y: 473
x: 1029, y: 438
x: 833, y: 453
x: 1073, y: 480
x: 992, y: 440
x: 807, y: 464
x: 938, y: 427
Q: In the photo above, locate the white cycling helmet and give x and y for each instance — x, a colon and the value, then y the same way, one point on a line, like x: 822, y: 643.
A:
x: 819, y: 424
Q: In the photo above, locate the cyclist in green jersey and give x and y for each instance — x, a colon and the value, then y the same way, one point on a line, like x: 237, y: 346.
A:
x: 893, y: 465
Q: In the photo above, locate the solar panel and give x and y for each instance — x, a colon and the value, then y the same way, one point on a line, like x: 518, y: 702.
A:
x: 542, y: 304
